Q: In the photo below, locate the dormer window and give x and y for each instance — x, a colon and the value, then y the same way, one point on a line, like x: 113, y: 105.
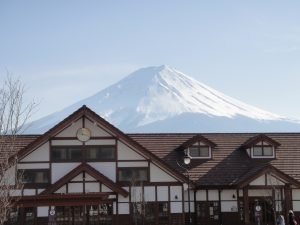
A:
x: 262, y: 150
x: 197, y: 147
x: 261, y: 147
x: 199, y: 151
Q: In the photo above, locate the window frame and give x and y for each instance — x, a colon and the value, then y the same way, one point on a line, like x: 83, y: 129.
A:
x: 199, y: 145
x: 263, y: 156
x: 85, y: 149
x: 133, y: 168
x: 66, y: 147
x: 33, y: 185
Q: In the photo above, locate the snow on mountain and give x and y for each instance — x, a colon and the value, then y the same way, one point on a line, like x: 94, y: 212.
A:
x: 163, y: 99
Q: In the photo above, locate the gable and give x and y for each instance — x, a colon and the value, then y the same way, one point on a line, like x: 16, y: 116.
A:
x: 75, y: 182
x: 83, y: 183
x: 102, y: 133
x: 267, y: 176
x: 268, y: 179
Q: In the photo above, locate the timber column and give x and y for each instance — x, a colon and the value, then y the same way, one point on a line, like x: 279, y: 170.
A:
x: 246, y: 206
x: 287, y: 199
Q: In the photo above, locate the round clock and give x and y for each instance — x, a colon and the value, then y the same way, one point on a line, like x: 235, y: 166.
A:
x: 83, y: 134
x: 258, y: 208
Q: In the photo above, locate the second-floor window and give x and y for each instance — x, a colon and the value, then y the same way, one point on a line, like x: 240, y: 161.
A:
x: 66, y: 154
x: 83, y: 153
x: 34, y: 176
x: 199, y: 151
x: 128, y: 174
x: 263, y: 149
x: 95, y: 153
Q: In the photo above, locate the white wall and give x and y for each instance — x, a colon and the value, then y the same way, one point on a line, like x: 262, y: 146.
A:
x: 123, y: 208
x: 101, y: 142
x: 228, y: 195
x: 29, y: 192
x: 176, y: 207
x: 259, y: 193
x: 121, y: 198
x: 75, y: 187
x: 149, y: 193
x: 61, y: 169
x: 229, y: 206
x: 126, y: 153
x: 158, y: 175
x: 39, y: 154
x: 162, y: 193
x: 65, y: 142
x: 213, y: 195
x: 71, y: 130
x: 176, y: 191
x: 296, y: 205
x: 33, y: 166
x: 92, y: 187
x: 296, y: 194
x: 201, y: 195
x: 133, y: 164
x: 259, y: 181
x: 42, y: 211
x: 95, y: 129
x: 108, y: 169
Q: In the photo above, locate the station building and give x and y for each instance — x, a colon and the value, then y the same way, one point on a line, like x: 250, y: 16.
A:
x: 85, y: 171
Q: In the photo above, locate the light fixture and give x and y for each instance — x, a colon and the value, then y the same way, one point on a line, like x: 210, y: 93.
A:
x: 233, y: 196
x: 186, y: 160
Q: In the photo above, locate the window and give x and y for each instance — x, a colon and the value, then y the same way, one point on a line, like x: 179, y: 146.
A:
x: 263, y: 149
x: 34, y: 176
x: 94, y: 153
x: 75, y: 153
x: 199, y: 151
x: 207, y: 211
x: 132, y: 174
x: 66, y: 154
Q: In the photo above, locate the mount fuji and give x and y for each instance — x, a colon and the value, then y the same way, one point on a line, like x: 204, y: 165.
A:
x: 163, y: 99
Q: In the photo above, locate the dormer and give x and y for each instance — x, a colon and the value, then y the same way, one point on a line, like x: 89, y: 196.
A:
x: 198, y: 147
x: 261, y: 147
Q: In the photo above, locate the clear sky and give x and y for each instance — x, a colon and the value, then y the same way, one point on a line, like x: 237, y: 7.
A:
x: 249, y: 50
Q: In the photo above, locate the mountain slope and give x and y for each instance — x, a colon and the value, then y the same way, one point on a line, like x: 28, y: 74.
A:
x: 163, y: 99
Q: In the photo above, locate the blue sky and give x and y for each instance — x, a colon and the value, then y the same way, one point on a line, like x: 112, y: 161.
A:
x: 249, y: 50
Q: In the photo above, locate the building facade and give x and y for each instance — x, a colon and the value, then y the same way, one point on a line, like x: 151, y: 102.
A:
x: 84, y: 171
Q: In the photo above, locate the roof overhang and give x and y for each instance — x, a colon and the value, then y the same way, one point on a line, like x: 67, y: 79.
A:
x: 62, y: 200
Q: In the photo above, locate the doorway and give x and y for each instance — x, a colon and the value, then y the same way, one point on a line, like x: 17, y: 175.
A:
x: 262, y: 209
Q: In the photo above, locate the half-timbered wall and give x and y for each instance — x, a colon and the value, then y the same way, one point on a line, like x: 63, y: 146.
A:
x: 161, y: 186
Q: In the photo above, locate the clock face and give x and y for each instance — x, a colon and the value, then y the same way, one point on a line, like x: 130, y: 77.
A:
x: 258, y: 208
x: 83, y: 134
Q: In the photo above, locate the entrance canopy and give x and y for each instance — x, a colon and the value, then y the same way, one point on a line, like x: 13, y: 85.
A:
x: 266, y: 176
x: 91, y: 172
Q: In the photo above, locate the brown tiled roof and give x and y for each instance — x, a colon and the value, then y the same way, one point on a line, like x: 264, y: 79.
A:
x: 229, y: 163
x: 19, y: 142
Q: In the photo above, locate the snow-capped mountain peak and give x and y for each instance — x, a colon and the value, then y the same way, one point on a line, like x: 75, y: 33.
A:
x: 155, y: 95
